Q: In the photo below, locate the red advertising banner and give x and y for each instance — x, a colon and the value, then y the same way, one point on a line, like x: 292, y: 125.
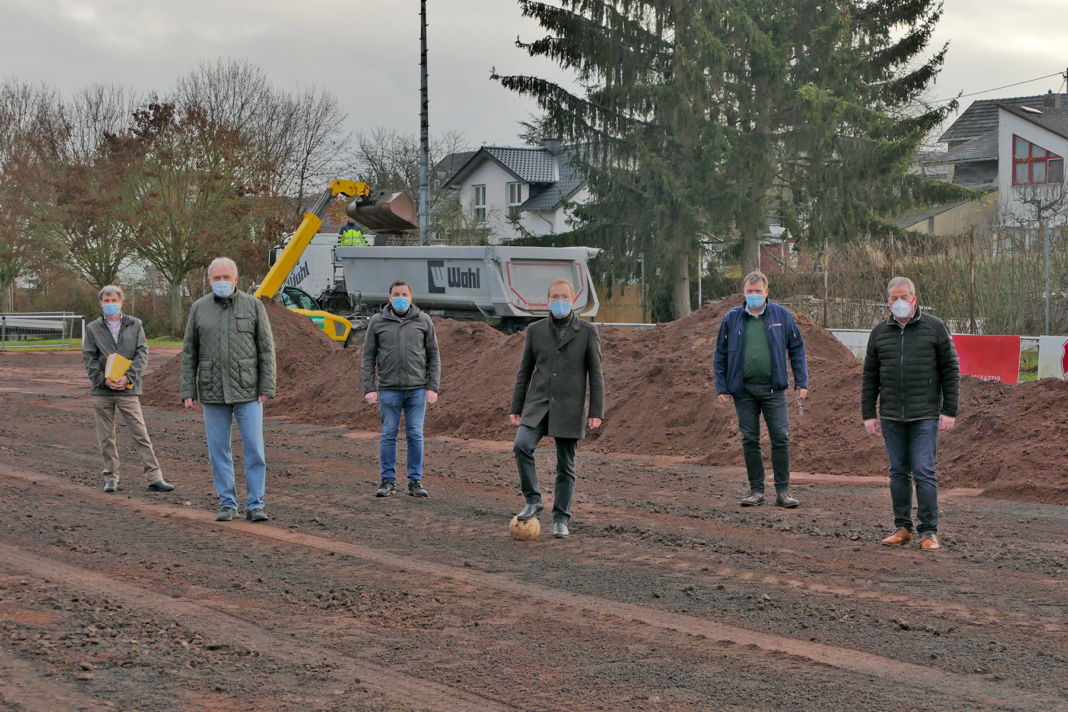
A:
x: 991, y: 358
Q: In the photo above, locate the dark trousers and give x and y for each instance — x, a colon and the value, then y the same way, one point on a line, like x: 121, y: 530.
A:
x: 526, y: 442
x: 911, y: 447
x: 750, y: 403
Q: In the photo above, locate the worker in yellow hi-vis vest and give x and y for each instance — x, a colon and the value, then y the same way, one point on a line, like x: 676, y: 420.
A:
x: 350, y: 235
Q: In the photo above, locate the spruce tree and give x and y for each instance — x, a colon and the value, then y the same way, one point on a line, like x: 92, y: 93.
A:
x: 708, y: 117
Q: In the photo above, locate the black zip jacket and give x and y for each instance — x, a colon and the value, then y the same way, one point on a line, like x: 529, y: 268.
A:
x: 912, y: 371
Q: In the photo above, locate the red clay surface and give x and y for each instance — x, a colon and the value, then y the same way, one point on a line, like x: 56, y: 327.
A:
x: 667, y: 596
x: 661, y: 401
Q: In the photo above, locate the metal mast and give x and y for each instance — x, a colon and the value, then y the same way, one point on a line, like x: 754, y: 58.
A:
x: 424, y: 136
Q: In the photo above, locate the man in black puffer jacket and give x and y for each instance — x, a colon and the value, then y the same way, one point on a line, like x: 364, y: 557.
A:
x: 911, y: 367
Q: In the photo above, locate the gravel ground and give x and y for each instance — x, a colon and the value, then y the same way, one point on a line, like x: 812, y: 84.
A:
x: 667, y: 596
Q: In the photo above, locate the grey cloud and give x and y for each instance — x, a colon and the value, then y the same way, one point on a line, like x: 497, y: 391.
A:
x: 367, y: 52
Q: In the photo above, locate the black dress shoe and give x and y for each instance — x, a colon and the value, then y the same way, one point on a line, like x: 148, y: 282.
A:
x: 111, y: 486
x: 530, y: 511
x: 560, y: 530
x: 161, y: 486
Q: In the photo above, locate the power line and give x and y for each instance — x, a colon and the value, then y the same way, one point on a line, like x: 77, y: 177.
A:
x: 987, y: 91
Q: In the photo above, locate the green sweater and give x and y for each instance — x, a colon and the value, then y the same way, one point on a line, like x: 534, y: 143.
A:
x: 757, y: 367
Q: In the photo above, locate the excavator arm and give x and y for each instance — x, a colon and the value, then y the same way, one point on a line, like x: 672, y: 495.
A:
x: 309, y: 226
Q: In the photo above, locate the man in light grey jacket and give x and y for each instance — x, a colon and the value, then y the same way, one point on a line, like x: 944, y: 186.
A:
x: 118, y: 333
x: 402, y: 346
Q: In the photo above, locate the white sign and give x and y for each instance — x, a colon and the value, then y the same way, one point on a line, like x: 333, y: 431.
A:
x: 1053, y: 357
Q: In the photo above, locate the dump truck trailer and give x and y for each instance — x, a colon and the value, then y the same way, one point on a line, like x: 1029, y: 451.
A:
x: 504, y: 286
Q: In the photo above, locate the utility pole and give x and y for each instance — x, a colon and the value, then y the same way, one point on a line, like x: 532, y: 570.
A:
x: 971, y: 283
x: 1047, y: 279
x: 424, y: 135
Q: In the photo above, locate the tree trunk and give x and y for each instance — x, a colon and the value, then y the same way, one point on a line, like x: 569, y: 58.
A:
x: 176, y: 307
x: 681, y: 280
x: 750, y: 253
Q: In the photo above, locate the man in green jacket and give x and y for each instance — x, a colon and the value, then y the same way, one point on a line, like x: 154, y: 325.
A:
x: 118, y: 333
x: 228, y: 364
x: 911, y: 368
x: 561, y: 354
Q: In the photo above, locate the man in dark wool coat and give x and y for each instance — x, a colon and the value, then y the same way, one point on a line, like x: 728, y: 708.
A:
x: 561, y: 354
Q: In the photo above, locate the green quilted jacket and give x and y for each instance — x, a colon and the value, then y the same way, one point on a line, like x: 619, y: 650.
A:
x: 228, y: 355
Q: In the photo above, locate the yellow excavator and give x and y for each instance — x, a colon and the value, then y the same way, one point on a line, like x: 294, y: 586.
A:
x: 381, y: 211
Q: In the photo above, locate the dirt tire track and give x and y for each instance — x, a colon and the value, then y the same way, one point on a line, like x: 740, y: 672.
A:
x: 406, y: 691
x: 963, y: 613
x: 907, y: 674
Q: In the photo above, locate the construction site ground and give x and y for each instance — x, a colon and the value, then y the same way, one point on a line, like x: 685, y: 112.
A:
x: 667, y: 595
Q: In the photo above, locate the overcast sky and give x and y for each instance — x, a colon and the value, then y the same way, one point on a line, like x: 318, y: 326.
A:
x: 367, y: 53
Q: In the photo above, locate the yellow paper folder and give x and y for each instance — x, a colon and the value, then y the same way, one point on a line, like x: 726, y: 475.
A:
x: 116, y: 368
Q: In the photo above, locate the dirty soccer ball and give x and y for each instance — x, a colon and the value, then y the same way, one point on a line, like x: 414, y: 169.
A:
x: 527, y: 530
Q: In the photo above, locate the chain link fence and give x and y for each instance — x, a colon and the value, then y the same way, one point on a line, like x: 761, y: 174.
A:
x: 990, y: 280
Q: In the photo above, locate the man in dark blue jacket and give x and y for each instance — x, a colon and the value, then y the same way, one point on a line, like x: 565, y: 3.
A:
x: 751, y: 350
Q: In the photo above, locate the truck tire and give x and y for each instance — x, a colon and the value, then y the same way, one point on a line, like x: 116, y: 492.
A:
x: 356, y: 336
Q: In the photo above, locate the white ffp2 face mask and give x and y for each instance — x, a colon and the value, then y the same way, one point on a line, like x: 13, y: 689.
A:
x: 901, y: 308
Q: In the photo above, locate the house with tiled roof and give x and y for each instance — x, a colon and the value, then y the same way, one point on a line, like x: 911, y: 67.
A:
x: 514, y: 191
x: 1015, y: 147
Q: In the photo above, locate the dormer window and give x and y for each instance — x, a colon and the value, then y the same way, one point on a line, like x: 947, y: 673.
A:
x: 1032, y: 164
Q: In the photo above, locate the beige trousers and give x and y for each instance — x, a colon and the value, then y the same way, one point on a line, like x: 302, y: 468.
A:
x: 130, y: 407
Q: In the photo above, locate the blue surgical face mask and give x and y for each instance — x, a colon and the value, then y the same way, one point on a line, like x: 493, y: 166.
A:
x: 400, y: 304
x: 560, y: 309
x: 755, y: 301
x: 112, y: 309
x: 222, y: 289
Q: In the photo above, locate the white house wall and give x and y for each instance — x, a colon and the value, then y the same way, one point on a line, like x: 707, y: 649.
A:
x: 1008, y: 195
x: 496, y: 180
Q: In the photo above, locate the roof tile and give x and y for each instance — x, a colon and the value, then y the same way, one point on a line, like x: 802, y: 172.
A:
x: 982, y: 116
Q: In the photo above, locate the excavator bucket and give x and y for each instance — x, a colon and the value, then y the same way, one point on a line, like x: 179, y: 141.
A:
x: 384, y: 212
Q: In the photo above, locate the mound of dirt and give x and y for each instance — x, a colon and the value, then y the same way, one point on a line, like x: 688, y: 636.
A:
x: 299, y: 348
x: 661, y: 400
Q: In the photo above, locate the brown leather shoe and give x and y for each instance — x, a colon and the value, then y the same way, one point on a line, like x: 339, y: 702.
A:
x: 929, y: 542
x: 899, y: 538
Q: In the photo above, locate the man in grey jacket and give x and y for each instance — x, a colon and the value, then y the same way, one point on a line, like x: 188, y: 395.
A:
x: 560, y: 355
x: 228, y: 363
x: 118, y: 333
x: 402, y: 346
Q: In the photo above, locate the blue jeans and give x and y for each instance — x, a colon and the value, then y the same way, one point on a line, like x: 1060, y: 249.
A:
x: 390, y: 406
x: 911, y: 448
x: 753, y: 400
x: 218, y: 420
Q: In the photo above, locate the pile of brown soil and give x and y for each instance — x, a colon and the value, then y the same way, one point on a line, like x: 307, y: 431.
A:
x: 299, y: 346
x: 1009, y: 440
x: 661, y: 400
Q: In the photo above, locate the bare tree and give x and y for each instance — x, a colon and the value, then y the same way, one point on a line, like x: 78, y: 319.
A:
x: 188, y: 200
x: 1044, y: 202
x: 387, y: 159
x: 81, y: 163
x: 293, y: 141
x: 24, y: 109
